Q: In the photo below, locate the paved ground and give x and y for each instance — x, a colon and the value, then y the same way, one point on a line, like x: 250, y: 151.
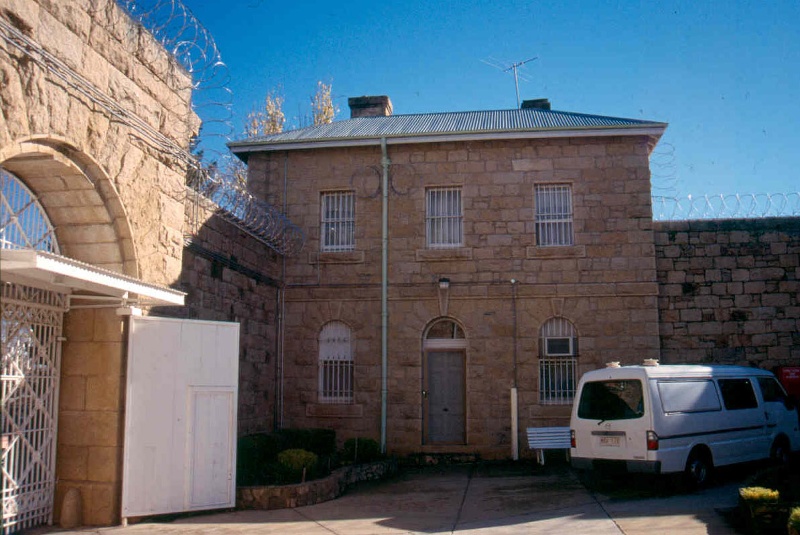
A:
x: 481, y: 499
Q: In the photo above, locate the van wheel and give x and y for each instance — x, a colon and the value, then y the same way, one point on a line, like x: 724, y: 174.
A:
x: 698, y: 469
x: 779, y: 453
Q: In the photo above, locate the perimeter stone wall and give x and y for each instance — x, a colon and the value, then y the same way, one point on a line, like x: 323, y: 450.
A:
x: 74, y: 77
x: 140, y: 187
x: 228, y: 275
x: 729, y: 291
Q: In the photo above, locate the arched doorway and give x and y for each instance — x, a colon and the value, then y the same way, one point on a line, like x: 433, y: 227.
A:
x: 444, y: 383
x: 82, y: 267
x: 30, y: 337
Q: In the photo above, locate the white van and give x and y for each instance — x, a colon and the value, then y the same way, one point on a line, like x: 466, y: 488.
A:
x: 680, y: 418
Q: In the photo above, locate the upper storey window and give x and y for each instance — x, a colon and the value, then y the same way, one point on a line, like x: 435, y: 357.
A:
x: 444, y: 218
x: 338, y: 221
x: 553, y: 214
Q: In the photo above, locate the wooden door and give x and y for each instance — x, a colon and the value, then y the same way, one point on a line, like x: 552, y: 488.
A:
x: 445, y: 407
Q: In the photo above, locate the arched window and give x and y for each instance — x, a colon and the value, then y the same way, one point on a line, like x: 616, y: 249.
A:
x: 23, y: 223
x: 445, y: 332
x: 335, y: 364
x: 558, y: 350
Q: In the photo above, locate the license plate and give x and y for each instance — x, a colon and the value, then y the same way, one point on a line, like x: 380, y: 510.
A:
x: 611, y: 442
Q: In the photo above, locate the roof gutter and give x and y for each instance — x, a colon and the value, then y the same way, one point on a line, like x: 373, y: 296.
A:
x: 246, y: 147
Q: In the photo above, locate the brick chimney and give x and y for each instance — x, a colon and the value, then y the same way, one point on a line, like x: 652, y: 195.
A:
x: 538, y: 103
x: 379, y: 106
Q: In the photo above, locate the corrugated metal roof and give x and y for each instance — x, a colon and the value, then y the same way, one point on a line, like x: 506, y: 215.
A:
x: 34, y: 268
x: 452, y: 123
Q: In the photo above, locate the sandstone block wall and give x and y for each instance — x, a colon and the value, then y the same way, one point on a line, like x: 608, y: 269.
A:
x: 91, y: 420
x: 729, y: 291
x: 605, y: 284
x: 75, y: 79
x: 120, y: 63
x: 230, y: 276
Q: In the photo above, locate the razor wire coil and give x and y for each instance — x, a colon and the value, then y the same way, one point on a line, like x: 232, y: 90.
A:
x: 192, y: 48
x: 734, y: 206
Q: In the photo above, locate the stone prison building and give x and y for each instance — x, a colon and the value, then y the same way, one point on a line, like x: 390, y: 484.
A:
x: 460, y: 270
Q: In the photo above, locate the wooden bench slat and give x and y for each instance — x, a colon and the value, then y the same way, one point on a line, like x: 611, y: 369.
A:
x: 548, y: 438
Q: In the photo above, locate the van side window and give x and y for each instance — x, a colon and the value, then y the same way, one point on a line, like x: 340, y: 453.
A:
x: 688, y: 396
x: 771, y: 390
x: 738, y: 394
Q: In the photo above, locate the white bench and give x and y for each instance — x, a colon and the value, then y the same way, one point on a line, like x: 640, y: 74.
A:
x: 548, y: 438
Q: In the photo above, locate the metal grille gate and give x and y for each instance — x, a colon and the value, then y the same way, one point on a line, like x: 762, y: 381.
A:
x: 31, y: 324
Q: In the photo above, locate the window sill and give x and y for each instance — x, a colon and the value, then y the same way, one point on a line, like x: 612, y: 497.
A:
x: 444, y: 255
x: 341, y: 257
x: 564, y: 251
x: 332, y: 410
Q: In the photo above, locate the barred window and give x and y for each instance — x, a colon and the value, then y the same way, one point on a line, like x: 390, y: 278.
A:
x: 23, y: 222
x: 338, y: 221
x: 444, y: 218
x: 557, y: 362
x: 335, y: 364
x: 553, y: 214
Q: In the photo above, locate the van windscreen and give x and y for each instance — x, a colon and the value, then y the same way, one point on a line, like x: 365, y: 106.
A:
x: 611, y: 400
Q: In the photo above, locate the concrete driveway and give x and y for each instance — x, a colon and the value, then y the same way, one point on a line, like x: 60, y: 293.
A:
x: 479, y: 499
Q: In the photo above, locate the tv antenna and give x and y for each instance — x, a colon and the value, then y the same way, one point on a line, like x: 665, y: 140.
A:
x: 514, y: 67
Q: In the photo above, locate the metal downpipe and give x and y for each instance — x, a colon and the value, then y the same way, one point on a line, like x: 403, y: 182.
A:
x: 514, y: 393
x: 385, y: 163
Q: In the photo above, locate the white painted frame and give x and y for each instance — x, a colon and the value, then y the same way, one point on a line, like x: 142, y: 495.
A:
x: 179, y: 457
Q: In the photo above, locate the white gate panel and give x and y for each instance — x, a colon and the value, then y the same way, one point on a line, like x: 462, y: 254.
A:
x: 30, y: 344
x: 180, y: 429
x: 211, y: 469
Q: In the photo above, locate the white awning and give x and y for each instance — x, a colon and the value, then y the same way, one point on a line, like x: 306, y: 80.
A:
x: 41, y: 269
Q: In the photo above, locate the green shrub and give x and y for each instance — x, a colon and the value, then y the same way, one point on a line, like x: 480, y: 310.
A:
x: 252, y: 455
x: 293, y: 463
x: 759, y: 494
x: 794, y: 518
x: 361, y: 450
x: 319, y: 441
x: 297, y: 459
x: 257, y: 460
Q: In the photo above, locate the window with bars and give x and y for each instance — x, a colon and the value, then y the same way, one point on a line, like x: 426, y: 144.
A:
x: 553, y: 214
x: 557, y: 362
x: 338, y: 221
x: 335, y: 364
x: 444, y: 218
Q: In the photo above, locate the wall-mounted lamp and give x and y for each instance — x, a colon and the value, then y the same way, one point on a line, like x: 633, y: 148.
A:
x: 444, y: 283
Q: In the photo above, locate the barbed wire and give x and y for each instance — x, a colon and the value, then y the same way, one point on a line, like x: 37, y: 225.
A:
x: 245, y: 210
x: 663, y: 169
x: 191, y: 45
x: 735, y: 206
x: 225, y: 195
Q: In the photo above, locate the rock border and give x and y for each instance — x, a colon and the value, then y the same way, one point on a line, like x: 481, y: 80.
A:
x: 269, y: 497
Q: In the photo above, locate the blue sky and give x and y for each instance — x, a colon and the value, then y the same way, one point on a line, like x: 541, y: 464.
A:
x: 725, y: 75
